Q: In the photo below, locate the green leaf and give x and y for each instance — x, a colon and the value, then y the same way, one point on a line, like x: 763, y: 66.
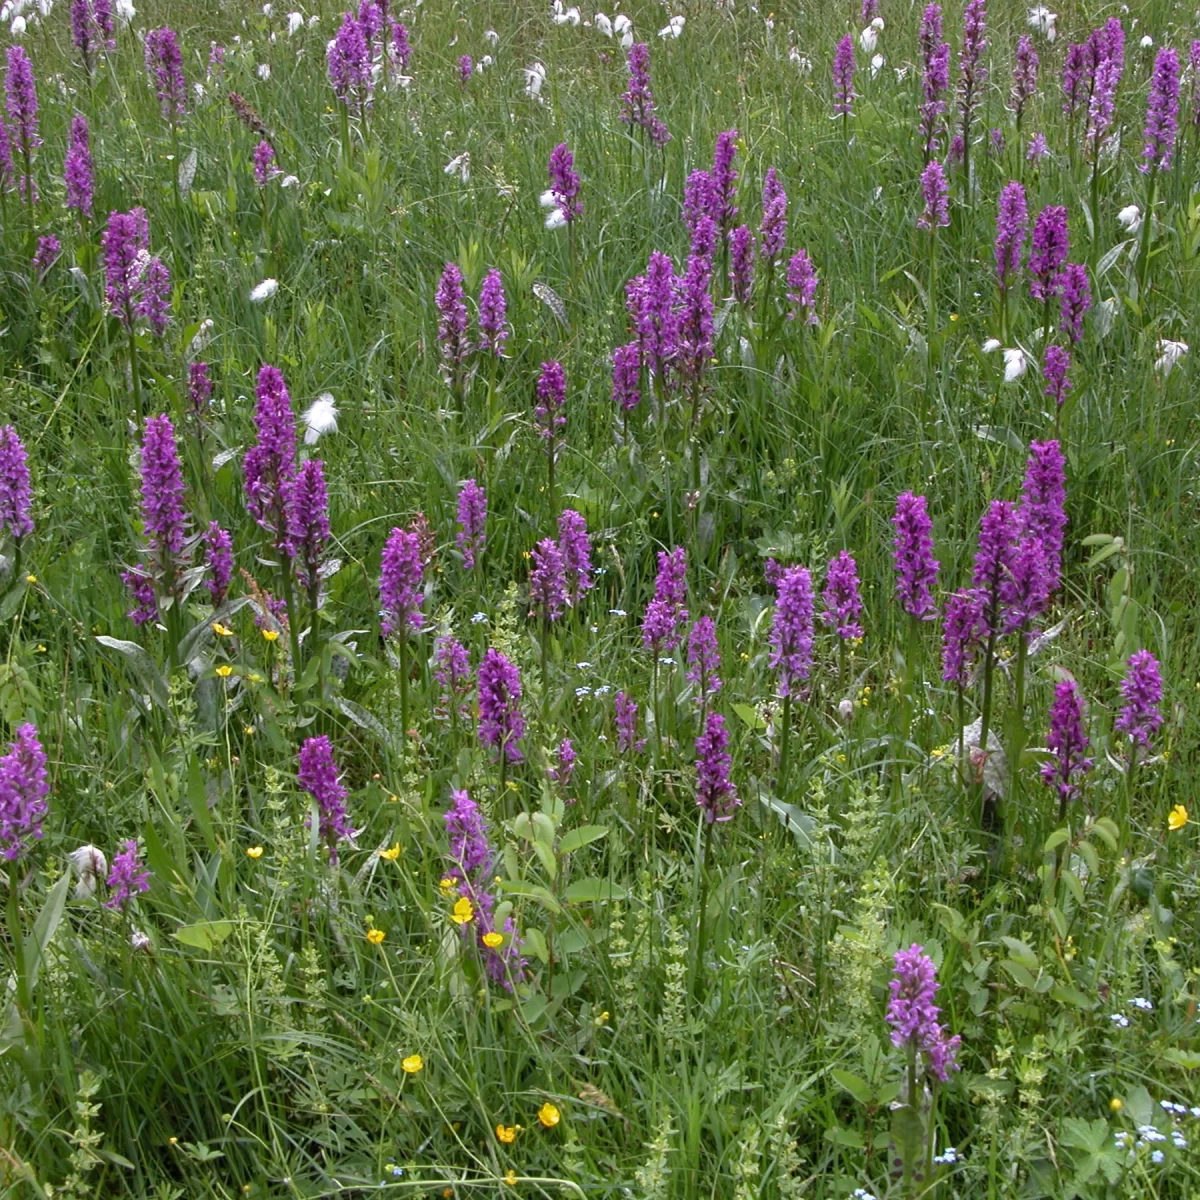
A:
x: 361, y: 718
x: 793, y: 819
x: 845, y: 1137
x: 591, y: 891
x: 534, y: 891
x: 204, y: 935
x: 1056, y: 839
x: 535, y: 943
x: 909, y: 1136
x: 858, y: 1087
x: 1105, y: 828
x: 583, y: 836
x: 1019, y: 972
x: 144, y: 668
x: 1021, y: 952
x: 750, y: 717
x: 44, y: 925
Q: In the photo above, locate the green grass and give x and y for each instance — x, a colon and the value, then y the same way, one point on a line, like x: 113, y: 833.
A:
x: 260, y: 1053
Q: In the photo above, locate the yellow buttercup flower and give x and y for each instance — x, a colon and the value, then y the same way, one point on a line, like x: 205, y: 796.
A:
x: 510, y: 1177
x: 391, y: 854
x: 446, y: 884
x: 224, y: 670
x: 249, y: 730
x: 493, y: 940
x: 271, y: 635
x: 254, y: 852
x: 1177, y: 818
x: 464, y: 911
x: 1116, y: 1104
x: 413, y: 1064
x: 375, y: 936
x: 507, y: 1133
x: 31, y: 579
x: 549, y: 1115
x: 221, y: 630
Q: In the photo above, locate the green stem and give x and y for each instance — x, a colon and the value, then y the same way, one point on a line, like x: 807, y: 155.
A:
x: 702, y: 932
x: 785, y: 743
x: 17, y: 937
x: 135, y: 372
x: 293, y: 622
x: 985, y: 716
x: 1144, y: 246
x: 1017, y: 741
x: 403, y: 692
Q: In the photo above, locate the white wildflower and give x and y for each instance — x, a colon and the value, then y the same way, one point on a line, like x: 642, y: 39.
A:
x: 203, y: 336
x: 1042, y: 20
x: 1146, y: 42
x: 1169, y: 353
x: 295, y: 21
x: 140, y: 941
x: 125, y: 11
x: 603, y: 24
x: 18, y: 26
x: 459, y: 165
x: 263, y: 291
x: 868, y: 39
x: 556, y: 219
x: 623, y: 28
x: 673, y: 28
x: 1014, y: 365
x: 492, y: 37
x: 991, y: 345
x: 263, y: 71
x: 288, y: 181
x: 90, y: 865
x: 802, y: 61
x: 535, y: 78
x: 1130, y: 218
x: 321, y: 417
x: 877, y: 62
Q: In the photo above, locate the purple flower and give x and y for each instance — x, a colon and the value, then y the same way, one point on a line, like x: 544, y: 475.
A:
x: 651, y: 304
x: 576, y: 549
x: 843, y: 606
x: 1054, y: 371
x: 626, y: 380
x: 1012, y: 222
x: 791, y: 638
x: 963, y: 631
x: 1037, y: 148
x: 1102, y: 104
x: 126, y: 879
x: 1025, y: 592
x: 348, y: 58
x: 20, y: 93
x: 143, y: 595
x: 704, y: 661
x: 216, y: 57
x: 551, y: 397
x: 471, y: 853
x: 370, y: 17
x: 996, y: 141
x: 972, y: 72
x: 1194, y: 60
x: 46, y: 255
x: 501, y: 724
x: 716, y: 796
x: 8, y: 176
x: 637, y: 101
x: 199, y: 387
x: 724, y: 181
x: 773, y: 230
x: 916, y: 568
x: 1043, y: 503
x: 935, y: 57
x: 561, y: 773
x: 741, y: 263
x: 802, y: 287
x: 15, y: 495
x: 1142, y: 690
x: 218, y: 562
x: 1076, y: 298
x: 308, y: 522
x: 998, y: 532
x: 77, y: 168
x: 1051, y: 246
x: 493, y: 308
x: 564, y: 182
x: 1162, y: 112
x: 626, y: 710
x: 318, y: 776
x: 472, y: 522
x: 452, y: 322
x: 843, y: 78
x: 102, y: 13
x: 1025, y: 73
x: 154, y: 303
x: 699, y: 200
x: 82, y: 26
x: 913, y: 1016
x: 465, y: 68
x: 704, y: 238
x: 401, y: 583
x: 123, y: 242
x: 936, y: 194
x: 164, y: 62
x: 1075, y: 73
x: 24, y: 787
x: 868, y: 11
x: 1067, y: 741
x: 547, y: 583
x: 270, y: 464
x: 452, y: 671
x: 163, y: 516
x: 400, y: 44
x: 667, y: 613
x: 263, y: 163
x: 694, y: 345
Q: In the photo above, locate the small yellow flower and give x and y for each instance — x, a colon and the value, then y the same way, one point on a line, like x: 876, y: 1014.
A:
x: 549, y: 1115
x: 507, y: 1133
x: 1116, y: 1104
x: 1177, y: 818
x: 391, y: 854
x: 224, y: 670
x: 510, y: 1177
x: 31, y: 579
x: 172, y: 1141
x: 393, y: 799
x: 221, y: 630
x: 254, y: 677
x: 464, y: 911
x: 249, y: 730
x: 954, y: 316
x: 413, y: 1064
x: 493, y: 940
x: 447, y: 885
x: 271, y: 635
x: 254, y: 852
x: 375, y: 936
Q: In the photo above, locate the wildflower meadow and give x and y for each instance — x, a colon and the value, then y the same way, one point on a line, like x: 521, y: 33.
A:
x: 599, y: 603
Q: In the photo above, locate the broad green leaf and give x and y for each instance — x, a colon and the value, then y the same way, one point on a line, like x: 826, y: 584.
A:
x: 590, y: 891
x: 750, y: 717
x: 858, y: 1087
x: 534, y: 891
x: 581, y: 837
x: 144, y: 668
x: 44, y: 925
x: 204, y: 935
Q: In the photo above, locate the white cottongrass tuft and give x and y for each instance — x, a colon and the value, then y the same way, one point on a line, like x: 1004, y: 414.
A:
x: 320, y: 418
x: 1130, y: 217
x: 263, y: 291
x: 1014, y: 365
x: 1042, y: 20
x: 535, y: 78
x: 90, y: 865
x: 1169, y: 353
x: 459, y: 165
x: 673, y: 28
